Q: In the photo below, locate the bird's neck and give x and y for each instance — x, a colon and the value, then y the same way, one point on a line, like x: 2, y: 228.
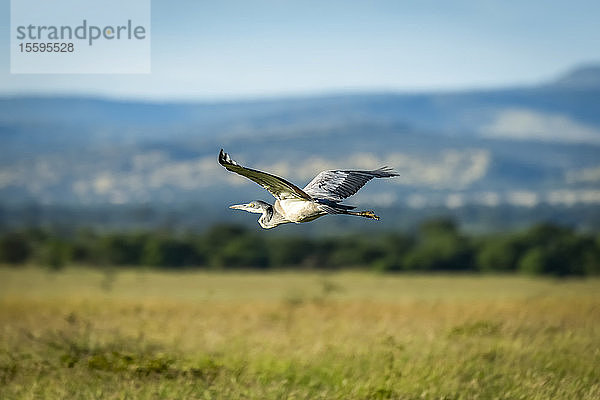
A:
x: 271, y: 218
x: 266, y: 217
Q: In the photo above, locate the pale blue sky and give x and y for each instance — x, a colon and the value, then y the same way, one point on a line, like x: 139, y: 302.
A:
x: 238, y: 49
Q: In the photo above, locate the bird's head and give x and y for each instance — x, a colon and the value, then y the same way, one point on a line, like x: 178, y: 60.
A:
x: 256, y: 207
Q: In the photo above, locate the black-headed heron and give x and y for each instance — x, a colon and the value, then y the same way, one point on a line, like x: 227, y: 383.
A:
x: 320, y: 197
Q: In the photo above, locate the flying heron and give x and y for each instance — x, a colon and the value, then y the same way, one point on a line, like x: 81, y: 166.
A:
x: 320, y: 197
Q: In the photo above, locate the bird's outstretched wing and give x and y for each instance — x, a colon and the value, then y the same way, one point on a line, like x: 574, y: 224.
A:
x: 337, y: 185
x: 278, y: 187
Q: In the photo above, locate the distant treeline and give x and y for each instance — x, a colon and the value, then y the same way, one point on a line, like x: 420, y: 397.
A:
x: 438, y: 245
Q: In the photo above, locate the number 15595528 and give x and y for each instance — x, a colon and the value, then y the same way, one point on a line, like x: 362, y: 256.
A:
x: 46, y: 47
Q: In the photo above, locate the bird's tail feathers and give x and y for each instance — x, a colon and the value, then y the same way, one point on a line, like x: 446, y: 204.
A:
x: 331, y: 207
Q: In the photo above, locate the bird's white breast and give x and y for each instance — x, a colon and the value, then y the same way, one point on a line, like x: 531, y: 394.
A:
x: 298, y: 210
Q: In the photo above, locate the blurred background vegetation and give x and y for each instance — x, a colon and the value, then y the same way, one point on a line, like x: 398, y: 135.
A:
x: 436, y: 245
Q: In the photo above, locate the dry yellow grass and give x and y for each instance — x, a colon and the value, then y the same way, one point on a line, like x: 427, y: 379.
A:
x: 81, y: 333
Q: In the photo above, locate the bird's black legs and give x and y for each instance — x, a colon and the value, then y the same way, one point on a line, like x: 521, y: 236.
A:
x: 366, y: 214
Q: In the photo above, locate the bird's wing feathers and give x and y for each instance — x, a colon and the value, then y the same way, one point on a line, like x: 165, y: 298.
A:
x: 337, y: 185
x: 278, y: 187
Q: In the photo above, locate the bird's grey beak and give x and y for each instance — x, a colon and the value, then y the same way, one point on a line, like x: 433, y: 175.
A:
x: 244, y: 207
x: 251, y: 208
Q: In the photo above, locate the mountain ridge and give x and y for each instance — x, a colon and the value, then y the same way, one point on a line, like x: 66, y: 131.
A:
x: 525, y: 146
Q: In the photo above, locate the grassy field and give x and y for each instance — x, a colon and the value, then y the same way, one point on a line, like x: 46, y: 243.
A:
x: 84, y: 334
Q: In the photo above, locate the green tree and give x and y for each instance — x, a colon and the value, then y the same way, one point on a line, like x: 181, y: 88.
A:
x: 164, y: 251
x: 244, y: 251
x: 534, y: 261
x: 122, y: 249
x: 440, y: 247
x: 55, y: 253
x: 591, y: 257
x: 354, y: 251
x: 289, y: 251
x: 395, y: 248
x: 15, y: 248
x: 554, y: 250
x: 498, y: 253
